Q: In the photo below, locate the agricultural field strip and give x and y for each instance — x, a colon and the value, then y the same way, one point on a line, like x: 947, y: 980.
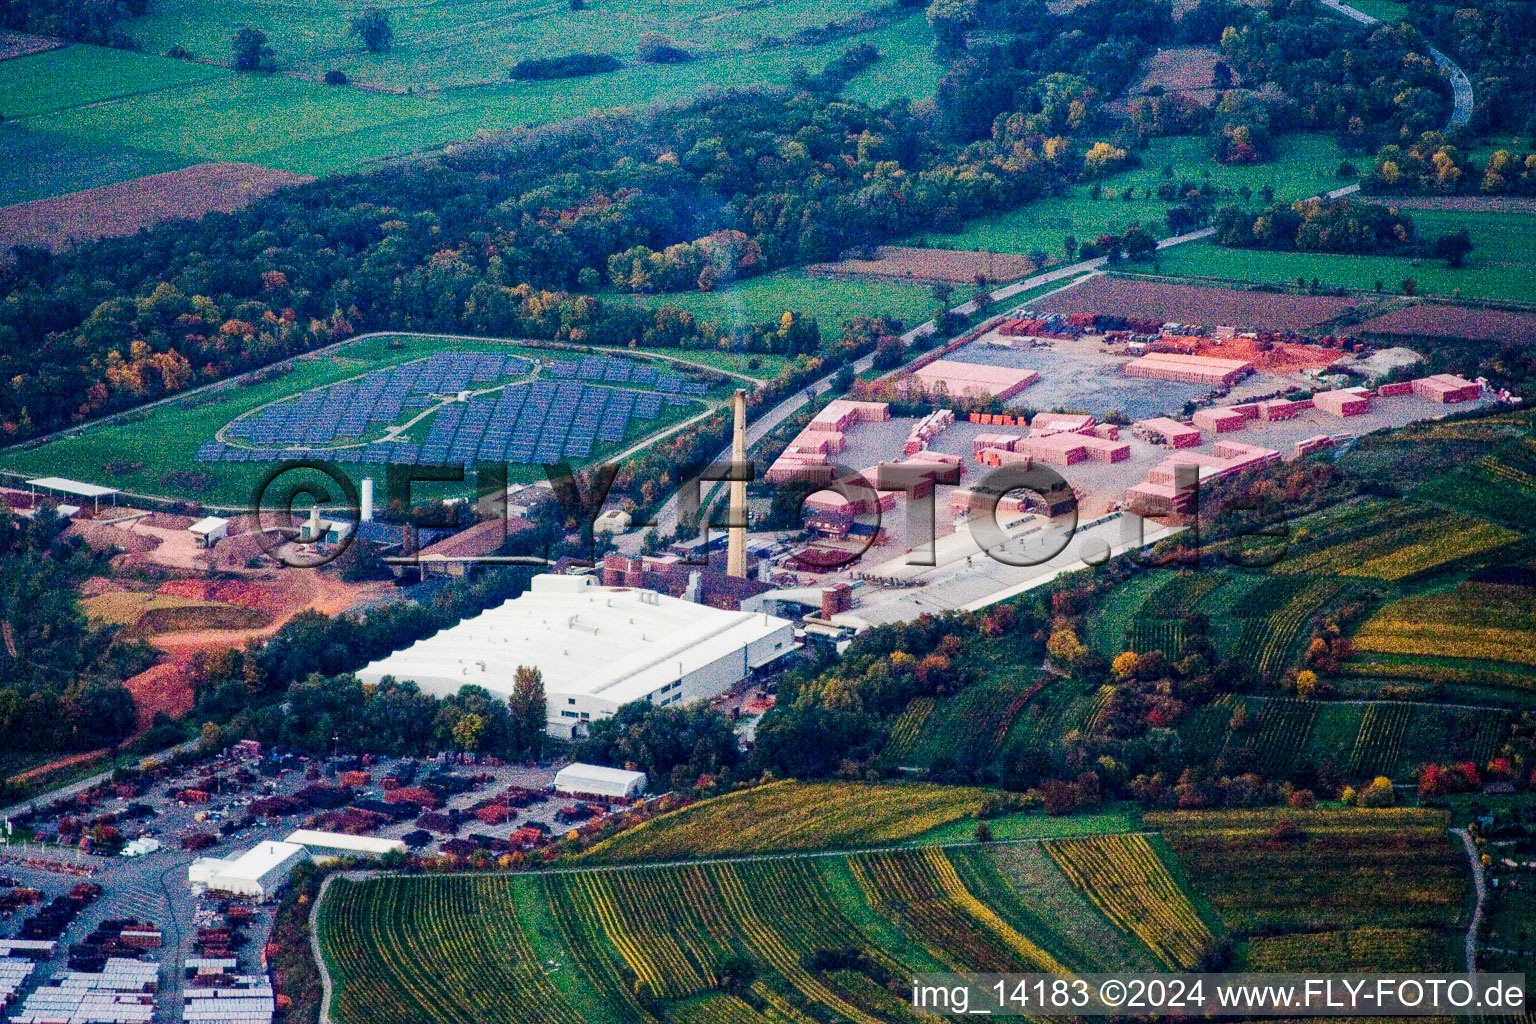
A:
x: 1127, y: 880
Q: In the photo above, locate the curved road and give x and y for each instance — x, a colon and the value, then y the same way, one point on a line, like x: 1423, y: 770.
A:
x: 1461, y: 85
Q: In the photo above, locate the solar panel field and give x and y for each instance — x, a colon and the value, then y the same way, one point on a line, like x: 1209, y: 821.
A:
x: 386, y: 401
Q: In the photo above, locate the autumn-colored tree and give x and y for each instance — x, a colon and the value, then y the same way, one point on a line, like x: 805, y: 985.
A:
x: 468, y: 730
x: 1124, y: 665
x: 1064, y: 647
x: 1378, y: 794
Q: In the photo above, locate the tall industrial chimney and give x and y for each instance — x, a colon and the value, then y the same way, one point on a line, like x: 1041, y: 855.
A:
x: 736, y: 553
x: 366, y: 512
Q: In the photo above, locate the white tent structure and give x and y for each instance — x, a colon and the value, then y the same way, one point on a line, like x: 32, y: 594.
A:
x: 257, y: 873
x: 333, y: 845
x: 579, y: 779
x: 597, y: 647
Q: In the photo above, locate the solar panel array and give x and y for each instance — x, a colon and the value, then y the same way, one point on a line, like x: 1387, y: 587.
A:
x: 351, y: 408
x: 540, y: 422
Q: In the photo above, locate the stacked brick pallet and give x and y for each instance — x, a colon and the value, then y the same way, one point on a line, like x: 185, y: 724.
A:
x: 1189, y: 369
x: 1220, y: 421
x: 1160, y: 494
x: 1446, y: 388
x: 928, y: 428
x: 823, y: 437
x: 1343, y: 403
x: 959, y: 379
x: 1162, y: 430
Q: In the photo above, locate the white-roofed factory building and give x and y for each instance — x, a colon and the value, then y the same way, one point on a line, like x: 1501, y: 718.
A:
x: 597, y: 647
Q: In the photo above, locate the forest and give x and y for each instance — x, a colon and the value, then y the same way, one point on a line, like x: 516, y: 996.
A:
x: 60, y: 677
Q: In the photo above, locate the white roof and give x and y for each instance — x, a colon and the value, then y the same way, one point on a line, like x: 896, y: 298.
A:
x: 582, y: 772
x: 59, y: 483
x: 615, y: 644
x: 258, y: 860
x: 208, y: 524
x: 342, y: 841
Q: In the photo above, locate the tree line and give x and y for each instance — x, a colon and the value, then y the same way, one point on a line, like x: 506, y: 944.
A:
x: 60, y: 676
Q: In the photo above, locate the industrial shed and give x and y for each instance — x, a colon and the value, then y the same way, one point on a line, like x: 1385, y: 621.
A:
x: 598, y: 648
x: 580, y: 779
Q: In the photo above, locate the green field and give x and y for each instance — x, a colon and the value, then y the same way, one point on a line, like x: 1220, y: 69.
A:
x: 1395, y: 739
x: 152, y: 451
x: 57, y: 164
x: 1352, y: 890
x: 831, y: 302
x: 1384, y: 10
x: 167, y: 113
x: 1499, y: 268
x: 1304, y: 165
x: 729, y: 943
x: 438, y: 45
x: 835, y: 936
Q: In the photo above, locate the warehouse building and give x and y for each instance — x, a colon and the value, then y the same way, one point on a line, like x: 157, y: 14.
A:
x: 257, y: 873
x: 598, y: 648
x: 579, y: 779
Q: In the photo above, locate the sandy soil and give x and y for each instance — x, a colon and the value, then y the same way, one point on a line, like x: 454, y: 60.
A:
x: 908, y: 263
x: 1179, y: 69
x: 1213, y: 307
x: 1430, y: 320
x: 1464, y: 204
x: 284, y: 593
x: 113, y: 211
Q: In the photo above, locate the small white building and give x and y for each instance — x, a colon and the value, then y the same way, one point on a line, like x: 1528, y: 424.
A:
x: 328, y: 846
x: 257, y: 873
x: 580, y: 779
x: 209, y: 530
x: 139, y: 847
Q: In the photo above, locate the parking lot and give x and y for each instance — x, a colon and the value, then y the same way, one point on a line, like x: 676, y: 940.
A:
x: 224, y: 806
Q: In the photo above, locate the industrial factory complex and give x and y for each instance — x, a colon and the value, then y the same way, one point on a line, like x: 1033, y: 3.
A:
x: 598, y: 648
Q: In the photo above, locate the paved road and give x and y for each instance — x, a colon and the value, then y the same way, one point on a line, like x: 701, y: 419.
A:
x: 87, y: 783
x: 1461, y: 85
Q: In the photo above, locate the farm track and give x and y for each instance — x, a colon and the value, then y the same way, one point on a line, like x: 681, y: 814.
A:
x: 1481, y: 885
